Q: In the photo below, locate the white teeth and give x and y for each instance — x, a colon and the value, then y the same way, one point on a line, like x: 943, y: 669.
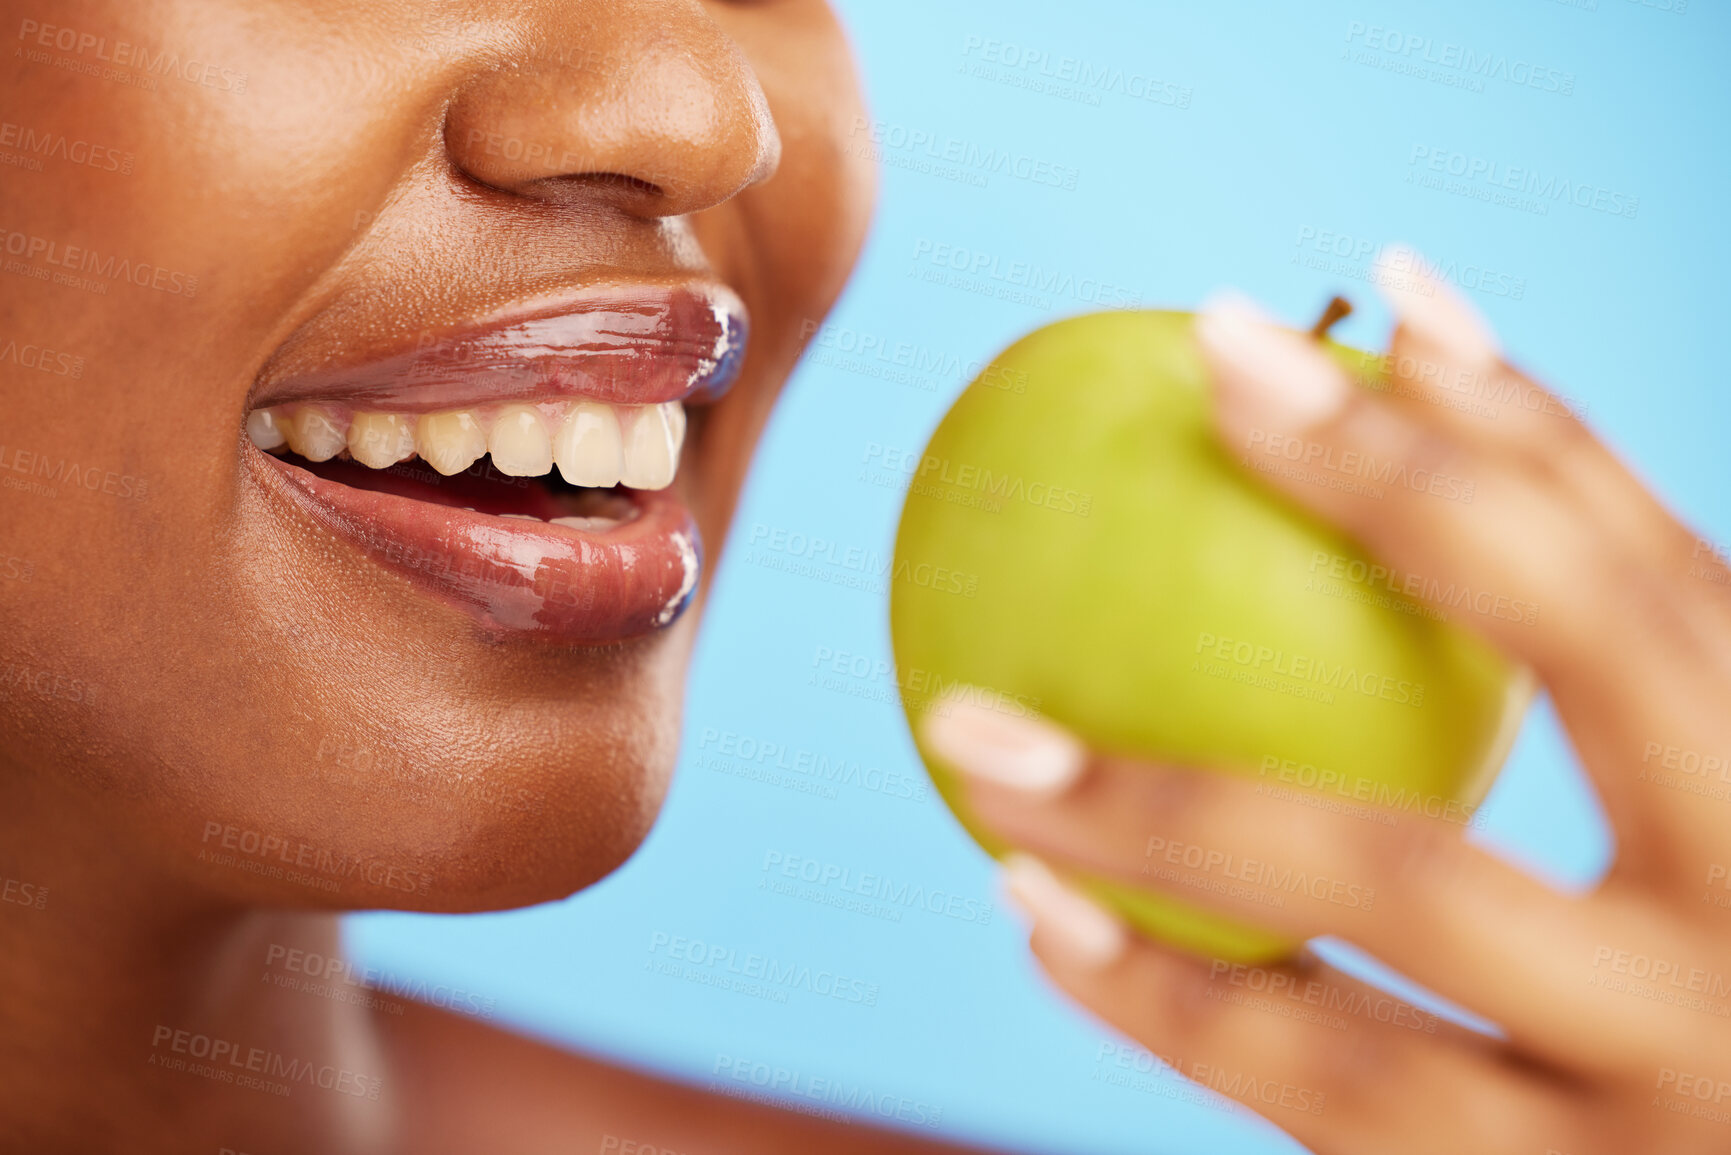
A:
x: 651, y: 447
x: 587, y: 524
x: 451, y: 441
x: 594, y: 445
x: 588, y: 446
x: 521, y: 516
x: 314, y: 434
x: 264, y: 429
x: 676, y: 422
x: 519, y: 443
x: 380, y: 440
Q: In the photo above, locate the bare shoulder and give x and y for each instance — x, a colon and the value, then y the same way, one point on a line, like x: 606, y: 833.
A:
x: 469, y: 1088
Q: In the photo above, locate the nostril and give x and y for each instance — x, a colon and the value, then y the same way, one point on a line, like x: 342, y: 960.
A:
x: 617, y: 180
x: 594, y: 186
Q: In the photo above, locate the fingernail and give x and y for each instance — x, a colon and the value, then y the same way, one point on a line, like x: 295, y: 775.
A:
x: 1075, y: 923
x: 1433, y: 308
x: 1022, y: 752
x: 1282, y: 376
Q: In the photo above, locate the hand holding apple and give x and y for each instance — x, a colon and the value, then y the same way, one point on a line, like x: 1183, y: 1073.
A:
x: 1610, y: 1003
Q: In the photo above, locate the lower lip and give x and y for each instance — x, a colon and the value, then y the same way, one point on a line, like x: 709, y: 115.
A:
x: 517, y: 578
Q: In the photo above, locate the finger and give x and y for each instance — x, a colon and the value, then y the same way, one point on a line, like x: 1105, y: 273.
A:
x: 1554, y: 971
x: 1368, y: 1086
x: 1425, y: 492
x: 1442, y: 351
x: 1446, y: 368
x: 1469, y: 525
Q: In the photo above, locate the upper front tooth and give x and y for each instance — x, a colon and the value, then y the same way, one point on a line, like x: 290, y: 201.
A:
x: 651, y: 446
x: 676, y: 422
x: 595, y: 445
x: 314, y: 433
x: 380, y: 439
x: 264, y: 429
x: 450, y: 441
x: 588, y: 446
x: 519, y: 442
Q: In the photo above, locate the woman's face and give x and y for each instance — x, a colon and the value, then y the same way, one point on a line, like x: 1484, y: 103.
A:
x: 366, y: 228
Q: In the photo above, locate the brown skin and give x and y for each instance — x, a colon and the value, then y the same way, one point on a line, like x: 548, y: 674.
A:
x: 212, y: 658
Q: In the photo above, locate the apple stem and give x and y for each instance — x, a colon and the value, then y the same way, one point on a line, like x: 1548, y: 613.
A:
x: 1337, y: 309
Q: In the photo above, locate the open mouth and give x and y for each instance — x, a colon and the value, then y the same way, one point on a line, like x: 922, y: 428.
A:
x: 521, y: 471
x: 573, y: 463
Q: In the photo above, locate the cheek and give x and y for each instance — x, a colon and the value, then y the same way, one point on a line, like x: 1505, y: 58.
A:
x: 805, y: 225
x: 809, y: 222
x: 789, y: 243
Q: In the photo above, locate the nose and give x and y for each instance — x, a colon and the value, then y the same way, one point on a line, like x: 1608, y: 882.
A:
x: 645, y: 103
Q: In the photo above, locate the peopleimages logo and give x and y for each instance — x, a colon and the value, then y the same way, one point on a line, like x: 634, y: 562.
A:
x: 49, y: 145
x: 1361, y: 789
x: 873, y: 888
x: 1414, y: 49
x: 1275, y: 880
x: 42, y: 359
x: 1024, y: 281
x: 749, y: 756
x: 929, y: 691
x: 58, y: 255
x: 1403, y: 265
x: 121, y: 54
x: 323, y: 971
x: 57, y: 471
x: 1669, y: 981
x: 1066, y: 77
x: 1310, y: 668
x: 897, y: 144
x: 227, y: 845
x: 1453, y: 595
x: 1514, y: 186
x: 260, y: 1068
x: 855, y: 567
x: 21, y: 893
x: 778, y: 1082
x: 901, y: 362
x: 720, y: 959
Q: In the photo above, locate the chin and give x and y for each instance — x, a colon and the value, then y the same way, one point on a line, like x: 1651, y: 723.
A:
x: 455, y: 775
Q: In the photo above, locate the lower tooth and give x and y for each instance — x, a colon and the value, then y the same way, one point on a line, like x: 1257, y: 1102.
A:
x: 587, y: 524
x: 521, y: 516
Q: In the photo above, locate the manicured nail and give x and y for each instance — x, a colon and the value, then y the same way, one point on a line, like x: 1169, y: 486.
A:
x: 1281, y: 376
x: 1075, y: 923
x: 1019, y: 751
x: 1433, y: 308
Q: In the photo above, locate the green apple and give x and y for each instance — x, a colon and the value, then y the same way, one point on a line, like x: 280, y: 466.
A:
x: 1113, y: 567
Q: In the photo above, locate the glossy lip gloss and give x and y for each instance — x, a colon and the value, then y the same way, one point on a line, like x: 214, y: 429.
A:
x: 612, y: 343
x: 517, y: 576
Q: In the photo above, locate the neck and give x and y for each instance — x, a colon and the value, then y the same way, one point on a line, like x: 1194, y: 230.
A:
x: 139, y: 1011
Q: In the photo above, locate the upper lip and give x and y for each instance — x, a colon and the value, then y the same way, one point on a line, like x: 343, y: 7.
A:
x: 629, y: 344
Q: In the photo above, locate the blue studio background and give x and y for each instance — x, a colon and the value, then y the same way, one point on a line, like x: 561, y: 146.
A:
x: 1156, y: 151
